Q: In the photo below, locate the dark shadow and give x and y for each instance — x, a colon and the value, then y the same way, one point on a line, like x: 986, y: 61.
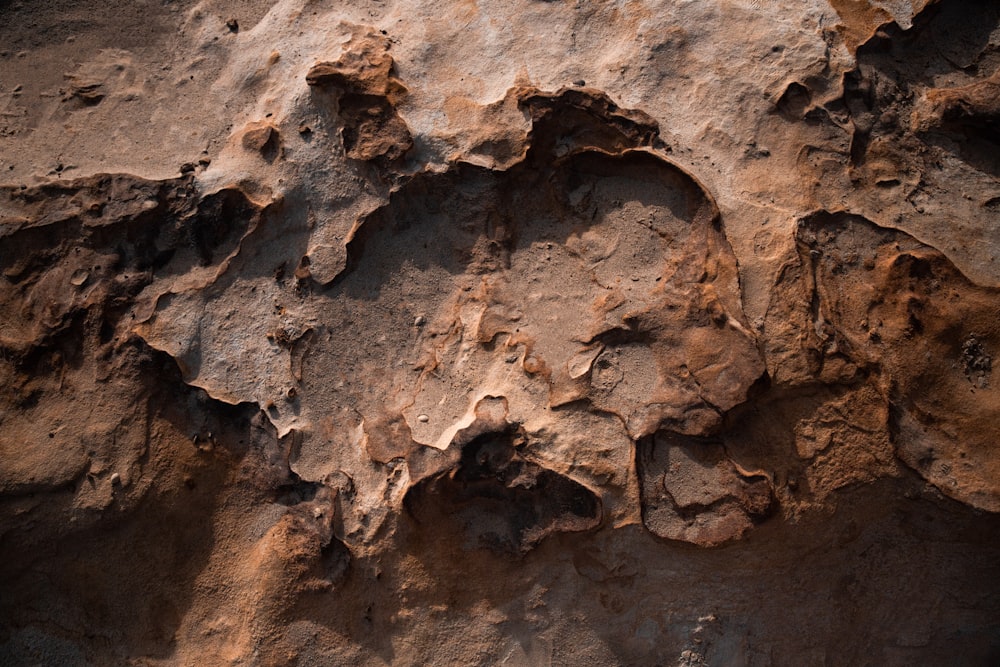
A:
x: 116, y: 584
x: 897, y: 66
x: 497, y: 499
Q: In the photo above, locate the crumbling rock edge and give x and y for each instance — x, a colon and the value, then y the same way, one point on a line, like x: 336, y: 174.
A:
x: 539, y: 215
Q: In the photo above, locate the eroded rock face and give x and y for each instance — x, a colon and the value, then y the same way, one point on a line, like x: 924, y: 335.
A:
x: 692, y: 491
x: 642, y: 351
x: 366, y: 91
x: 588, y: 279
x: 888, y: 308
x: 501, y: 499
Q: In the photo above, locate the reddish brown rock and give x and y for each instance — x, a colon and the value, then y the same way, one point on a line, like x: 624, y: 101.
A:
x: 367, y: 92
x: 655, y: 333
x: 261, y: 137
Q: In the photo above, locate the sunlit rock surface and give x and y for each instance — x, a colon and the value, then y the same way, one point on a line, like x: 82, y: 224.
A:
x: 531, y: 334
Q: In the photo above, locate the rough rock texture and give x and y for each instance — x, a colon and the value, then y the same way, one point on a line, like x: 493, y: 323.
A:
x: 523, y: 333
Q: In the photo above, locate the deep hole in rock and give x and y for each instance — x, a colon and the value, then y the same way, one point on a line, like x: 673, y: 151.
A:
x: 499, y: 499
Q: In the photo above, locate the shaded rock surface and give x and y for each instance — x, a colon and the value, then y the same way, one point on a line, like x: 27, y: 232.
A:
x: 541, y: 334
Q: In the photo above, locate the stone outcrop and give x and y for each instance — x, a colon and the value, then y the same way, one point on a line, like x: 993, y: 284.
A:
x: 550, y: 334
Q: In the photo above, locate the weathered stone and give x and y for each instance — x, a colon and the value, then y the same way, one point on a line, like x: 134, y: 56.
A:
x: 474, y: 333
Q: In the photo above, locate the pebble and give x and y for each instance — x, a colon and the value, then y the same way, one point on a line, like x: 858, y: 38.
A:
x: 419, y: 321
x: 116, y: 479
x: 423, y: 419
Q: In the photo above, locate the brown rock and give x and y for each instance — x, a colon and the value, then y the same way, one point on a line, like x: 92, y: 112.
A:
x: 367, y: 92
x: 261, y: 137
x: 693, y: 492
x: 481, y: 370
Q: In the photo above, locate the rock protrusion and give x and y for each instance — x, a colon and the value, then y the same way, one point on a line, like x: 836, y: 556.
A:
x: 862, y: 301
x: 693, y: 492
x: 367, y: 91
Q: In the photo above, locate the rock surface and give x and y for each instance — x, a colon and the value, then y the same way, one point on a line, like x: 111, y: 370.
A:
x: 522, y: 333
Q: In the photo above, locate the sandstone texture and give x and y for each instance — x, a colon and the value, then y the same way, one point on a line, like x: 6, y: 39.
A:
x: 499, y: 333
